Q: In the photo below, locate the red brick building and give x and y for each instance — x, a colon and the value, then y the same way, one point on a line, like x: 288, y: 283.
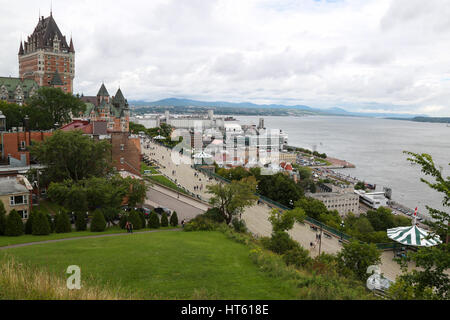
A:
x: 47, y: 58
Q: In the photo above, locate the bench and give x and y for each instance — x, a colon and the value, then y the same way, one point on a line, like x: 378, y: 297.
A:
x: 328, y: 235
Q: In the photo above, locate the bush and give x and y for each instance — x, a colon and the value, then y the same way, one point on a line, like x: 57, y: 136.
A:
x: 135, y: 220
x: 153, y: 221
x: 40, y: 225
x: 29, y: 223
x: 2, y: 218
x: 98, y: 223
x: 239, y: 225
x: 143, y: 219
x: 164, y: 220
x: 214, y: 215
x: 51, y: 222
x: 280, y: 242
x: 62, y: 223
x: 174, y: 219
x: 297, y: 257
x: 14, y: 224
x: 123, y: 220
x: 200, y: 223
x: 80, y: 221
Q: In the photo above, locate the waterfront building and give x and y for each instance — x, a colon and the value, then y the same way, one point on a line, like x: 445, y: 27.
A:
x: 46, y: 57
x: 342, y: 202
x: 373, y: 200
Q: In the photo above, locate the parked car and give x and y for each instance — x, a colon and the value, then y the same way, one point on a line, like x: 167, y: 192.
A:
x: 160, y: 211
x: 144, y: 210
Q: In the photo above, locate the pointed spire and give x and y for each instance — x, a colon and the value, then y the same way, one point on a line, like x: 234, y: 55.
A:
x: 71, y: 48
x: 21, y: 51
x: 103, y: 92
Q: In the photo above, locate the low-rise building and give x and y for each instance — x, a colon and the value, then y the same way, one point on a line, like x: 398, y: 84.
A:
x: 342, y: 202
x: 16, y: 194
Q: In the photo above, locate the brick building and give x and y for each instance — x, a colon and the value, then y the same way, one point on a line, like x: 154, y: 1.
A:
x: 114, y: 110
x: 47, y: 58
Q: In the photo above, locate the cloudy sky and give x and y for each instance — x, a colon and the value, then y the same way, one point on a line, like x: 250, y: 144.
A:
x: 363, y: 55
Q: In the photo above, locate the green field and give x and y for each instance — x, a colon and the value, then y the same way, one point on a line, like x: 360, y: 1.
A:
x: 8, y: 241
x: 164, y: 265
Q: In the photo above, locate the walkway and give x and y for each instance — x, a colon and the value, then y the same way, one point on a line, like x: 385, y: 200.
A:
x: 86, y: 237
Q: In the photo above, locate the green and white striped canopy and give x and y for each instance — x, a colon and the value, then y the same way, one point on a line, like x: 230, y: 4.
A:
x: 413, y: 236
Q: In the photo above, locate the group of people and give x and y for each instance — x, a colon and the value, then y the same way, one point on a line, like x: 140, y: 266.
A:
x: 196, y: 188
x: 314, y: 244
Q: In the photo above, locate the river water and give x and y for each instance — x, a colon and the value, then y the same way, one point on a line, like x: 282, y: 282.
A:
x: 375, y: 147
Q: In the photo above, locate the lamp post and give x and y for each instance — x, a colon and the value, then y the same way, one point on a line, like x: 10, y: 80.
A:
x: 320, y: 238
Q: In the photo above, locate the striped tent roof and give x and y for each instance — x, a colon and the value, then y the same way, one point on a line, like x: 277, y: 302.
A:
x: 413, y: 236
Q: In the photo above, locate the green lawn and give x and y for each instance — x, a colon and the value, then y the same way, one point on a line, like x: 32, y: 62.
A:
x: 144, y: 167
x: 8, y: 241
x: 166, y: 182
x: 165, y: 265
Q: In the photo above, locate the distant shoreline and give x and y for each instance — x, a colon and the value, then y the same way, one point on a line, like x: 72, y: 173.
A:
x: 425, y: 119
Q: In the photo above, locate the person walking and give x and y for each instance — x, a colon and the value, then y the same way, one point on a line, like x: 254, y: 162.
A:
x: 182, y: 223
x: 131, y: 227
x: 127, y: 226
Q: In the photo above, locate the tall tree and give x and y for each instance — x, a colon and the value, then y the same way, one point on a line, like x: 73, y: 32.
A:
x: 72, y: 155
x: 52, y: 105
x: 232, y: 198
x: 430, y: 281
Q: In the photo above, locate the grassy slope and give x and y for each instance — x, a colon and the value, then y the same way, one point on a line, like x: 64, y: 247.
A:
x: 172, y: 265
x: 7, y: 241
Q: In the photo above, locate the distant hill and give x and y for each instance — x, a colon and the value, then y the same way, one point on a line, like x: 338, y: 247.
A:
x: 228, y: 107
x: 428, y: 119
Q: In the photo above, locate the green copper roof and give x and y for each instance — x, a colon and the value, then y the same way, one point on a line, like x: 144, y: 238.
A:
x: 11, y: 84
x: 103, y: 92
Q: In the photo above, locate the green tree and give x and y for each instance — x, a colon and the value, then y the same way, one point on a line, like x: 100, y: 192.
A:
x: 312, y: 207
x: 62, y: 223
x: 153, y: 221
x: 2, y: 218
x: 14, y: 224
x: 29, y: 222
x: 357, y: 257
x: 429, y: 280
x: 232, y: 198
x: 98, y: 223
x: 72, y: 155
x: 52, y: 105
x: 137, y: 191
x: 164, y: 220
x: 80, y: 221
x: 280, y: 188
x: 135, y: 219
x: 174, y: 219
x: 40, y: 225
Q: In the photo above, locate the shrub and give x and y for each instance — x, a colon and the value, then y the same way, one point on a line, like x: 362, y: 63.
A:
x: 200, y: 223
x: 2, y: 218
x: 80, y: 221
x: 153, y: 221
x: 297, y: 257
x: 123, y: 220
x: 135, y: 220
x: 239, y: 225
x: 164, y: 220
x: 14, y: 224
x: 280, y: 242
x: 174, y: 219
x: 40, y: 225
x: 29, y: 223
x: 214, y: 214
x: 98, y: 223
x: 143, y: 219
x: 62, y: 223
x: 51, y: 222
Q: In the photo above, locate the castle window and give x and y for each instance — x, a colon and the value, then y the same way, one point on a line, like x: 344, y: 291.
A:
x: 122, y: 147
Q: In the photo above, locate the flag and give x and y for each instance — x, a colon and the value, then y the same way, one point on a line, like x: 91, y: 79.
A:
x: 415, y: 212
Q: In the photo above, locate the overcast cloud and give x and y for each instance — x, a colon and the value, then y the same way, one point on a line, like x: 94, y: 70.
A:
x: 377, y: 55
